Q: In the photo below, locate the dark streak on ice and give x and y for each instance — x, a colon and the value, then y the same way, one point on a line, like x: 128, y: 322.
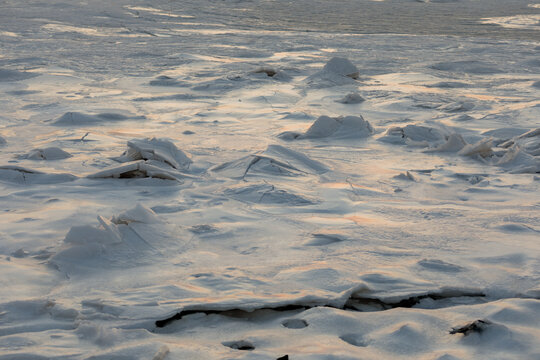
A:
x: 352, y: 304
x: 476, y: 326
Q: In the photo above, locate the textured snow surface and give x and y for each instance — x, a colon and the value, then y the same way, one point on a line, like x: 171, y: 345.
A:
x: 208, y: 180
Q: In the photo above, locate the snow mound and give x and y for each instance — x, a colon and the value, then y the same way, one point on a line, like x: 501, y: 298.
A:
x: 351, y: 98
x: 454, y: 143
x: 164, y: 80
x: 132, y: 238
x: 482, y: 149
x: 341, y: 66
x: 77, y: 118
x: 529, y: 142
x: 516, y: 160
x: 21, y: 175
x: 276, y: 160
x: 466, y: 66
x: 140, y: 169
x: 414, y: 135
x: 162, y: 150
x: 273, y: 73
x: 50, y: 153
x: 334, y: 127
x: 338, y: 71
x: 266, y: 194
x: 139, y: 214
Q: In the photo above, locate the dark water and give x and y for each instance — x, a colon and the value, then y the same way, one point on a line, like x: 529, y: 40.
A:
x: 438, y: 17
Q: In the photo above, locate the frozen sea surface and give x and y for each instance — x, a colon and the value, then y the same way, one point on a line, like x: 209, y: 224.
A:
x: 209, y: 180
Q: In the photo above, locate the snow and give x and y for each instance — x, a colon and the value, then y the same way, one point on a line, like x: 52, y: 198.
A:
x: 306, y: 180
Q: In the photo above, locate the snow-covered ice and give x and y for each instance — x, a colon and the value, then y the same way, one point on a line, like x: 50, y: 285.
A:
x: 269, y: 179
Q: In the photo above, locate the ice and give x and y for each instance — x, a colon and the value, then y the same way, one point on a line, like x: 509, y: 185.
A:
x: 269, y: 180
x: 454, y: 143
x: 518, y: 161
x: 140, y: 169
x: 337, y: 71
x: 341, y: 66
x: 351, y: 98
x: 162, y: 150
x: 481, y: 149
x: 50, y: 153
x: 266, y: 194
x: 275, y: 160
x: 21, y: 175
x: 414, y: 135
x: 80, y: 119
x: 354, y: 127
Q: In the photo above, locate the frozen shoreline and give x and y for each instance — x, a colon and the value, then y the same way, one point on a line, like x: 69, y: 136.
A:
x: 175, y: 188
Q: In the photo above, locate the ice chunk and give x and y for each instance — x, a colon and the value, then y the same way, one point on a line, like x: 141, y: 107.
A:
x: 481, y: 148
x: 454, y: 143
x: 273, y: 73
x: 351, y: 98
x: 338, y: 71
x: 416, y: 135
x: 275, y: 160
x: 338, y: 127
x: 140, y: 169
x: 266, y: 194
x: 341, y: 66
x: 139, y: 213
x: 50, y: 153
x: 517, y: 161
x: 77, y: 118
x: 156, y: 149
x: 528, y: 142
x: 21, y: 175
